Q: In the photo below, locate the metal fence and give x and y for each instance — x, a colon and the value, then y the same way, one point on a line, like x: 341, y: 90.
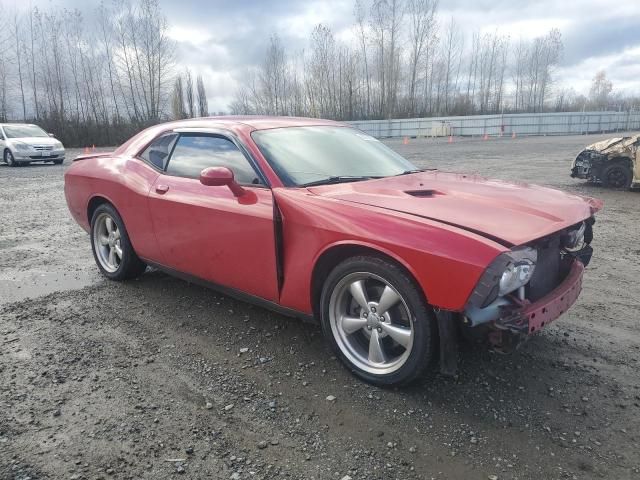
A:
x: 566, y: 123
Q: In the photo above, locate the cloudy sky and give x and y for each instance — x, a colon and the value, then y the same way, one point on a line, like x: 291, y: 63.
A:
x: 220, y: 38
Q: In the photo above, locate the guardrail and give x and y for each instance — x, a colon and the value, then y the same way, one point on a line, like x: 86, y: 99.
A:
x: 565, y: 123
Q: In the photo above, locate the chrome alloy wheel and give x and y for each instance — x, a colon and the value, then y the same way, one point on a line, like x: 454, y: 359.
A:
x: 371, y: 323
x: 107, y: 242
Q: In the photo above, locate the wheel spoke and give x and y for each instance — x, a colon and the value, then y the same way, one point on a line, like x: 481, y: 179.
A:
x: 118, y: 251
x: 108, y: 222
x: 399, y: 334
x: 359, y: 294
x: 104, y: 240
x: 376, y: 353
x: 112, y: 257
x: 387, y: 300
x: 352, y: 324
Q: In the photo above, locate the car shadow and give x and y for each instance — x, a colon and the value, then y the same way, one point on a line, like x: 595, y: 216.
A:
x: 530, y: 368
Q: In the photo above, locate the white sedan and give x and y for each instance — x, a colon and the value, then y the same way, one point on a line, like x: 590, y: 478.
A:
x: 22, y: 143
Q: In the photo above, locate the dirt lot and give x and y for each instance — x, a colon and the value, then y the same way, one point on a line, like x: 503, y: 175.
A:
x: 147, y: 379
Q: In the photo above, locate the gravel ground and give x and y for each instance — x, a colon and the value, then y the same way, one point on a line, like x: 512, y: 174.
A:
x: 157, y: 378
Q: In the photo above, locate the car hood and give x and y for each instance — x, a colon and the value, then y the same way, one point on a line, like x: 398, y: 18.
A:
x: 510, y: 213
x: 35, y: 140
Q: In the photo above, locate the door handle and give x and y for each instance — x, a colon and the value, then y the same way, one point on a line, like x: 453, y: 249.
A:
x: 162, y: 189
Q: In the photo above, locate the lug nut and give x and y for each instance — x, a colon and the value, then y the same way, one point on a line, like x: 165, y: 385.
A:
x: 365, y: 315
x: 379, y: 329
x: 373, y: 309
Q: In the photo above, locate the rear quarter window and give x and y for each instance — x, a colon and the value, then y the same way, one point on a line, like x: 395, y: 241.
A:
x: 158, y: 151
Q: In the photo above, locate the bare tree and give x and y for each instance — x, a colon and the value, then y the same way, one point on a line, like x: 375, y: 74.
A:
x: 189, y: 94
x: 322, y: 66
x: 422, y: 21
x: 453, y: 44
x: 360, y: 15
x: 518, y: 74
x: 18, y: 54
x: 4, y: 83
x: 273, y: 77
x: 106, y: 37
x: 600, y: 90
x: 177, y: 100
x: 203, y: 105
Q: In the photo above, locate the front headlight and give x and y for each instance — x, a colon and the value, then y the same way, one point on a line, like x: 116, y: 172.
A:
x: 516, y: 276
x: 507, y: 272
x: 58, y: 146
x: 519, y: 270
x: 573, y: 240
x: 22, y: 146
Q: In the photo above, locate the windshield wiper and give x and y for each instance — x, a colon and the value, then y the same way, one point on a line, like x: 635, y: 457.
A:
x: 337, y: 179
x: 408, y: 172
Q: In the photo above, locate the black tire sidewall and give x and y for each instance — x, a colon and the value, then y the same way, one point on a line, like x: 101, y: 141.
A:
x: 7, y: 154
x: 424, y: 324
x: 617, y: 166
x: 130, y: 266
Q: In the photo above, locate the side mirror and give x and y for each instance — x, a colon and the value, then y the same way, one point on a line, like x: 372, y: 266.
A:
x: 221, y: 176
x: 53, y: 135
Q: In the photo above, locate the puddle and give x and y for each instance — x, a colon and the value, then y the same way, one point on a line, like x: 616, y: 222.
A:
x: 37, y: 284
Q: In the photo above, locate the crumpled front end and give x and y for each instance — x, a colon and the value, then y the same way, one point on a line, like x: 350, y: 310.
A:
x: 543, y: 280
x: 588, y: 165
x: 612, y: 162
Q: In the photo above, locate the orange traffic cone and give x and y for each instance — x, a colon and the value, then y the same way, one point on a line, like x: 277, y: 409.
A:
x: 405, y: 141
x: 86, y: 149
x: 450, y: 138
x: 93, y: 148
x: 486, y: 137
x: 513, y: 135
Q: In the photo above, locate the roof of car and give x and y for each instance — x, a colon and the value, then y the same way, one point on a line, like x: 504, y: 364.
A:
x: 258, y: 122
x: 230, y: 122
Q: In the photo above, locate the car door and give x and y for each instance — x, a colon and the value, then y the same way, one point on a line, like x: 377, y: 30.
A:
x: 207, y: 231
x: 2, y: 144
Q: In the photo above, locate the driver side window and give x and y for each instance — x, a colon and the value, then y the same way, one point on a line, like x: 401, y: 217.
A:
x: 195, y: 152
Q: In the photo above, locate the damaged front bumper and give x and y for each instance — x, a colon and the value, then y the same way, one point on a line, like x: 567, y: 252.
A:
x: 507, y: 320
x: 588, y: 165
x: 525, y: 318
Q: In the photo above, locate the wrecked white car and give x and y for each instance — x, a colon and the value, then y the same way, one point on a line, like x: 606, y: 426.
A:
x: 614, y: 162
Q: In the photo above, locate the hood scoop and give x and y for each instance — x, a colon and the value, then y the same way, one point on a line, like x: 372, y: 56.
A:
x: 424, y: 193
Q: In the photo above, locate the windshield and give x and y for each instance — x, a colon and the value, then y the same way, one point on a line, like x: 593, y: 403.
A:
x: 323, y: 154
x: 23, y: 131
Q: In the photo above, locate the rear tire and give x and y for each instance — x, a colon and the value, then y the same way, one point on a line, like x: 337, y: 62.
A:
x: 377, y: 320
x: 617, y: 176
x: 112, y: 249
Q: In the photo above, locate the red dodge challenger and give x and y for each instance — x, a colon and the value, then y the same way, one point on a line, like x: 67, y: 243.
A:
x: 318, y: 220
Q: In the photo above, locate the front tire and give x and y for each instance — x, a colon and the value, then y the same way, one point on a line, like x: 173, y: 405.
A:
x: 377, y: 320
x: 617, y: 175
x: 8, y: 158
x: 112, y: 249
